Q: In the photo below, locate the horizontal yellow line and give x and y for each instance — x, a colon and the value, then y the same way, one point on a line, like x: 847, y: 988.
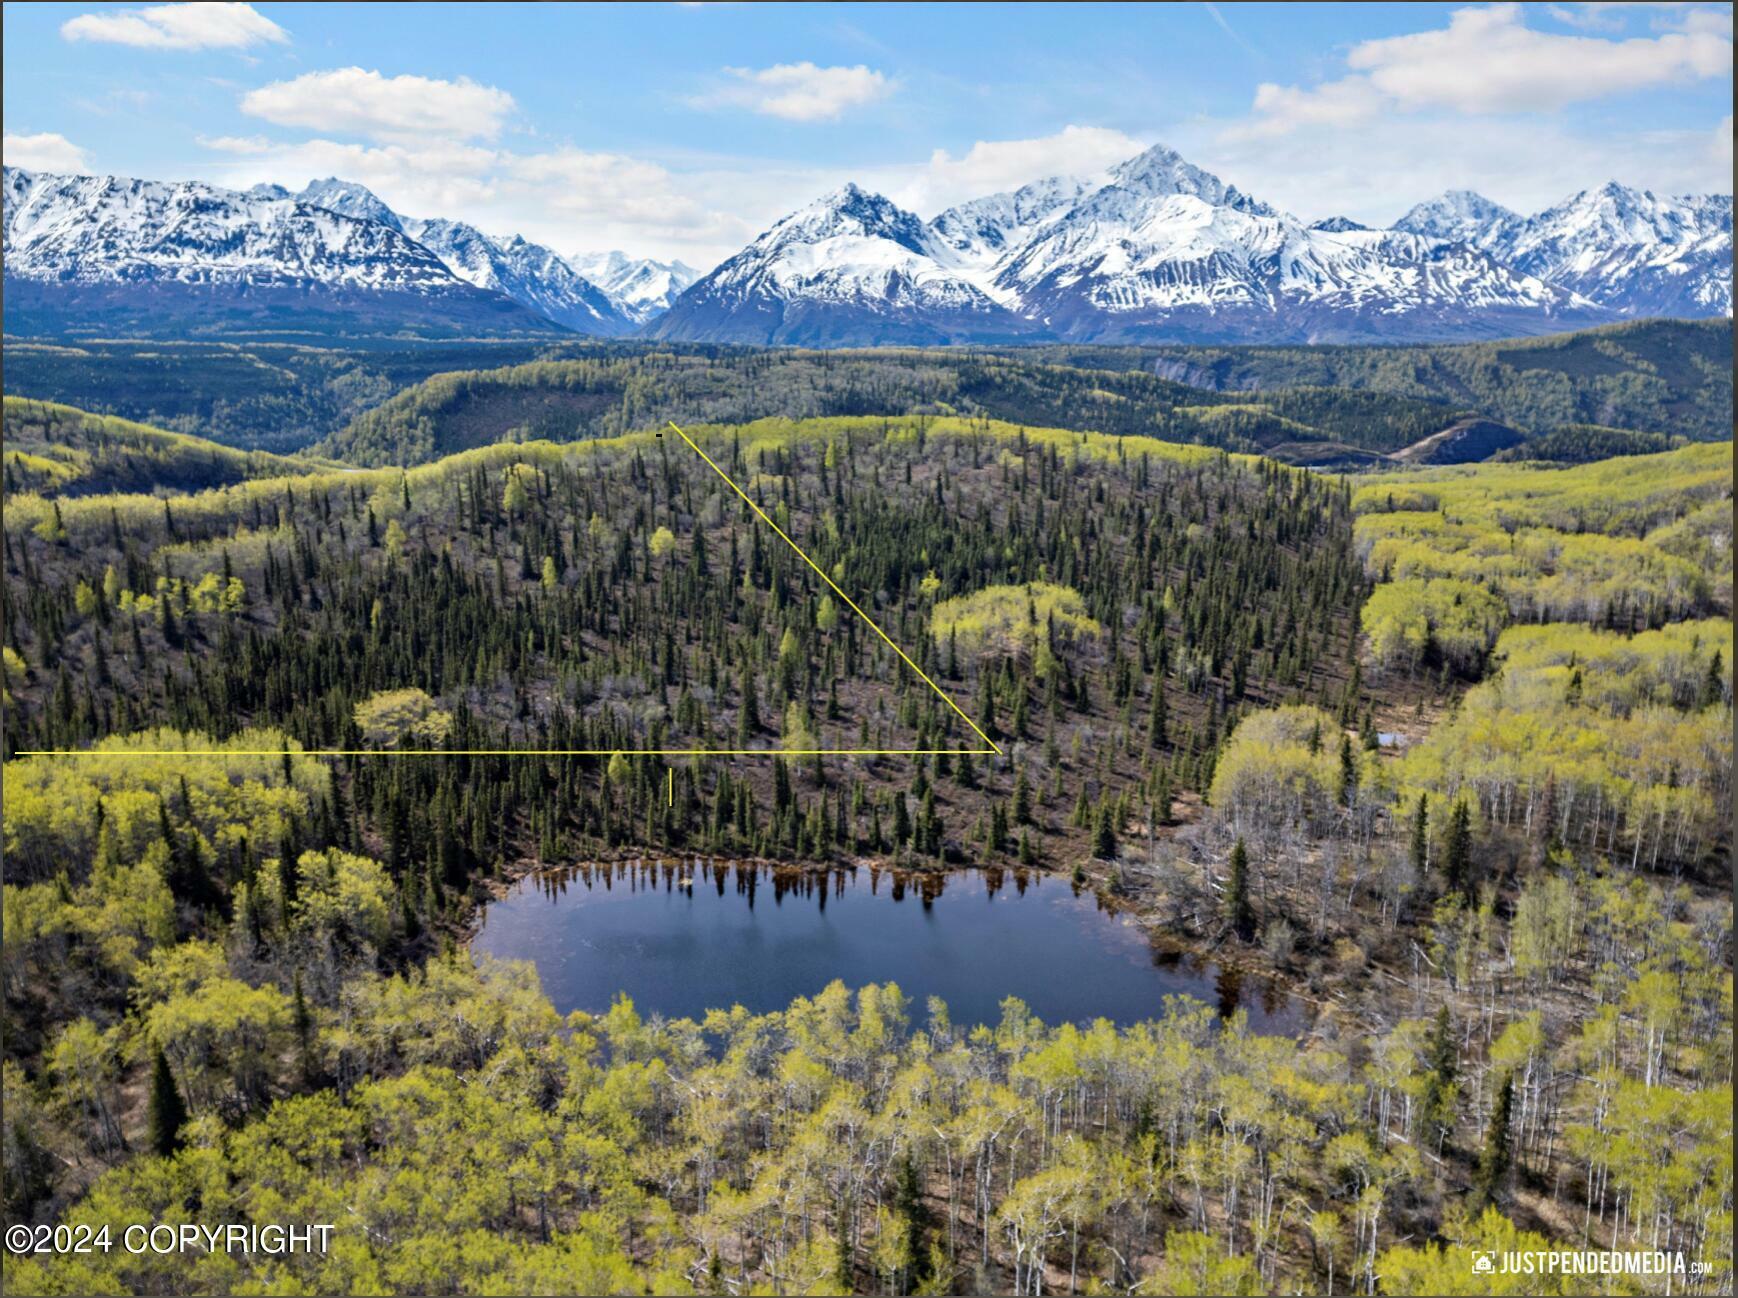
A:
x: 992, y: 751
x: 508, y: 752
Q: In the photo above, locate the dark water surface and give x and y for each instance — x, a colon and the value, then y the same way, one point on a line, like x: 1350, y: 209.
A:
x: 681, y: 938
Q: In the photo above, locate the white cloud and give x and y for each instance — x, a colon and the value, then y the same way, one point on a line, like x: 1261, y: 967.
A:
x: 1280, y: 109
x: 356, y: 101
x: 45, y: 152
x: 992, y: 166
x: 799, y: 92
x: 235, y: 143
x: 1373, y: 174
x: 1488, y: 61
x: 568, y: 199
x: 177, y: 27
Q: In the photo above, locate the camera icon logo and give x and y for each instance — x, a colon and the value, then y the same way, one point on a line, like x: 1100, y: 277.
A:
x: 1484, y: 1264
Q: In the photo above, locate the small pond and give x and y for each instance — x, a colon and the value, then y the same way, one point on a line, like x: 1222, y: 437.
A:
x: 683, y: 937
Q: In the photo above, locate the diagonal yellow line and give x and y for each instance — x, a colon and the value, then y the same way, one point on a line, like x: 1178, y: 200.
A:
x: 990, y: 748
x: 801, y: 554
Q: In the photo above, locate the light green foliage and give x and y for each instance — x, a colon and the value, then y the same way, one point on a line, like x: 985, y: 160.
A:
x: 661, y: 543
x: 1403, y: 620
x: 1279, y: 769
x: 391, y: 717
x: 798, y: 734
x: 51, y: 449
x: 222, y: 1036
x: 1443, y: 1270
x: 1576, y: 544
x: 12, y: 670
x: 514, y: 496
x: 475, y: 1140
x: 1616, y: 725
x: 1013, y: 619
x: 48, y: 801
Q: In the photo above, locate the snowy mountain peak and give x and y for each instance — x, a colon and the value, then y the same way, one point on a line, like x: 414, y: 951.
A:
x: 1162, y: 172
x: 852, y: 267
x: 641, y: 288
x: 1632, y: 250
x: 349, y: 199
x: 984, y: 227
x: 1460, y: 215
x: 103, y: 229
x: 852, y: 211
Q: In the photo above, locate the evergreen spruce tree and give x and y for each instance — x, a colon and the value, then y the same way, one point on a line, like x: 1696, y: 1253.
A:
x: 1442, y: 1063
x: 1104, y: 835
x: 1420, y: 847
x: 167, y: 1112
x: 304, y: 1023
x: 748, y: 720
x: 1457, y: 849
x: 1238, y: 912
x: 1493, y: 1164
x: 1158, y: 721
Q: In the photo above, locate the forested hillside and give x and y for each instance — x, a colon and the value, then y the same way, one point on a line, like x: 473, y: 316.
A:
x: 52, y: 450
x: 573, y: 400
x: 1585, y: 443
x: 1450, y: 752
x: 1341, y: 406
x: 1657, y: 376
x: 269, y: 396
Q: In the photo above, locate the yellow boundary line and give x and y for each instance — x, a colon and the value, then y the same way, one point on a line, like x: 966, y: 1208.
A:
x: 990, y: 746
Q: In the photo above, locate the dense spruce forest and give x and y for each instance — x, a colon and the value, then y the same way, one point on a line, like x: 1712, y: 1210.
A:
x: 252, y: 395
x: 1658, y: 376
x: 571, y: 400
x: 1448, y: 750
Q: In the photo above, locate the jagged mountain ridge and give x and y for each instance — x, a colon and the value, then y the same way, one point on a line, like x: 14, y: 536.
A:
x: 640, y: 287
x: 89, y: 247
x: 1158, y: 249
x: 851, y: 268
x: 529, y: 273
x: 1626, y: 249
x: 108, y: 255
x: 1152, y: 250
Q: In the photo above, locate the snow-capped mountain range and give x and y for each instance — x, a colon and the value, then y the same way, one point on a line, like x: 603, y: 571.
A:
x: 1153, y: 250
x: 270, y: 252
x: 1157, y: 249
x: 1626, y: 249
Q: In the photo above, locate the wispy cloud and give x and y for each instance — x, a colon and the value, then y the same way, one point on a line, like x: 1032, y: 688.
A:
x: 1245, y: 46
x: 994, y: 166
x: 798, y: 92
x: 242, y: 144
x: 573, y: 200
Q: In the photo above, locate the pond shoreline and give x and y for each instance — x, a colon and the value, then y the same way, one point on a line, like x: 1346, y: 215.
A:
x: 1180, y: 954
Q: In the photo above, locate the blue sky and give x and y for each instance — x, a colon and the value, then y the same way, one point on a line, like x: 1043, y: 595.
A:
x: 682, y: 130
